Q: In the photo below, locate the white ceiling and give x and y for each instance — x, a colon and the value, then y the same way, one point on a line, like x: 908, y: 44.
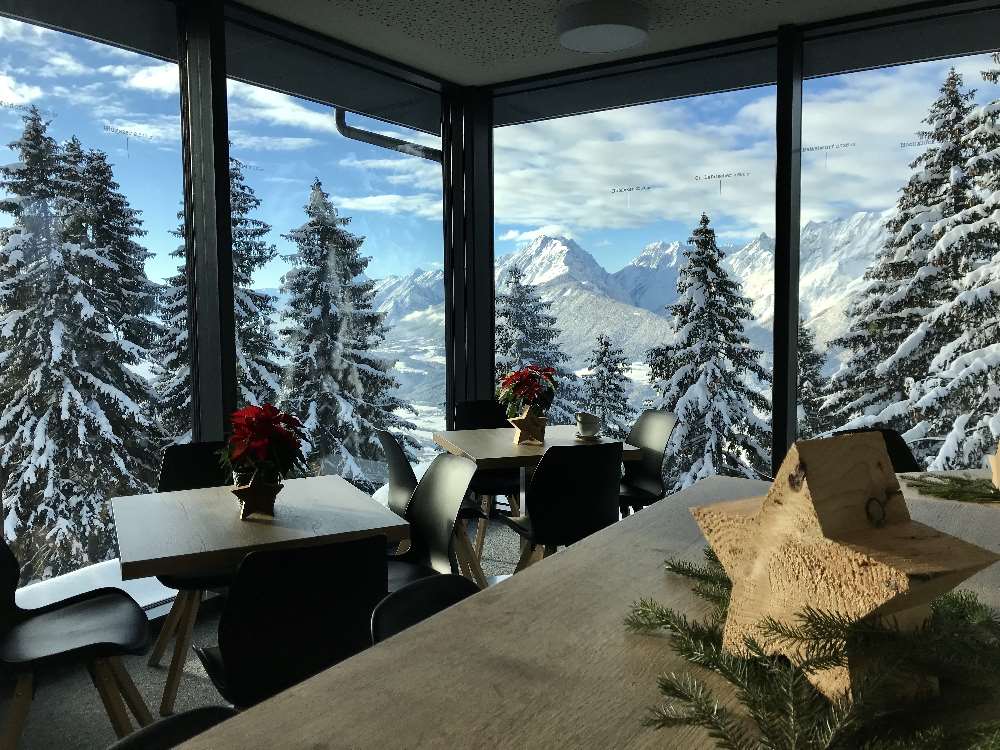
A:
x: 477, y: 42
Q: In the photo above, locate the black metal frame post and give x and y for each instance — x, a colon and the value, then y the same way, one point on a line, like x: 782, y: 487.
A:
x: 467, y: 168
x: 208, y: 230
x: 786, y: 245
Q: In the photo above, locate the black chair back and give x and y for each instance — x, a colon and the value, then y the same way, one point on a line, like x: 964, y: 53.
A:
x: 416, y: 602
x: 192, y: 466
x: 900, y: 455
x: 402, y: 480
x: 10, y: 574
x: 291, y: 613
x: 434, y: 509
x: 574, y: 492
x: 650, y: 434
x: 174, y: 730
x: 480, y: 415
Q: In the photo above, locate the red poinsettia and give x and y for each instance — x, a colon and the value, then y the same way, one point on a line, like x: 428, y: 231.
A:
x: 531, y: 386
x: 265, y: 441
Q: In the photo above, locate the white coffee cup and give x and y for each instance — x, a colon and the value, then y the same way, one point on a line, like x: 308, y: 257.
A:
x: 587, y: 425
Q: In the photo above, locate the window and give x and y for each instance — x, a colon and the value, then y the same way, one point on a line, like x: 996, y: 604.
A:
x: 899, y: 274
x: 89, y: 196
x: 597, y: 275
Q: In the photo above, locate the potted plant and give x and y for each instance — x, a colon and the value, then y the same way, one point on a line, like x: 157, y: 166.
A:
x: 527, y: 395
x: 264, y: 447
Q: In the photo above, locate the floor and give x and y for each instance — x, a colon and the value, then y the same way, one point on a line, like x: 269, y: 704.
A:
x: 67, y: 712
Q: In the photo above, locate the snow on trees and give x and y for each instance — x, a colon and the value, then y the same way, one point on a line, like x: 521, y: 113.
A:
x: 526, y: 334
x: 339, y: 388
x: 710, y: 376
x: 605, y: 387
x: 813, y: 385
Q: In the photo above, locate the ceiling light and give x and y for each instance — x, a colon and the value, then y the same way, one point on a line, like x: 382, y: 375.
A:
x: 602, y: 25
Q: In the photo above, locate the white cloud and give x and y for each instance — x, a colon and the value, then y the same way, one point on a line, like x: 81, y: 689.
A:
x: 251, y: 142
x: 155, y: 129
x: 16, y: 31
x: 405, y: 170
x: 512, y: 235
x: 59, y: 64
x: 12, y: 92
x: 161, y: 78
x: 424, y: 205
x: 254, y: 104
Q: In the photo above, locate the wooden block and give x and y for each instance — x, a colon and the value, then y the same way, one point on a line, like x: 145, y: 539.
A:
x: 995, y: 467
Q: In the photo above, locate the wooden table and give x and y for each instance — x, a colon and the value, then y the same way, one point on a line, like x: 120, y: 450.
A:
x: 200, y: 531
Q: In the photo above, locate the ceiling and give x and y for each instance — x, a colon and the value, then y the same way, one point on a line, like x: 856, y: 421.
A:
x: 478, y: 42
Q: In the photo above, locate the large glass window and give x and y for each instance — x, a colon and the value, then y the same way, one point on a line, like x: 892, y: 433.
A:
x: 899, y: 276
x: 635, y: 255
x: 89, y: 197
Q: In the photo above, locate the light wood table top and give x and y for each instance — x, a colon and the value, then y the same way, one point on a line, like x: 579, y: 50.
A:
x: 494, y: 448
x: 200, y: 532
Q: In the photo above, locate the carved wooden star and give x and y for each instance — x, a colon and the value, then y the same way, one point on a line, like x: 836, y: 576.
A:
x: 528, y: 428
x: 833, y: 533
x: 995, y: 466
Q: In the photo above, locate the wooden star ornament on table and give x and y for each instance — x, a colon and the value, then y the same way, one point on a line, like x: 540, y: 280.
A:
x: 833, y: 533
x: 528, y: 428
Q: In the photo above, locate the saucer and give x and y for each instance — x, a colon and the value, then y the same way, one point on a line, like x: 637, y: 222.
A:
x: 588, y: 438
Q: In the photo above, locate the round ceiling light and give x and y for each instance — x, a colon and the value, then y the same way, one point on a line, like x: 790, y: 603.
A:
x: 602, y: 25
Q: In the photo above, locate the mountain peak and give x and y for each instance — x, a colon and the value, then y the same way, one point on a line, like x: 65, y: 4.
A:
x: 657, y: 253
x: 555, y: 259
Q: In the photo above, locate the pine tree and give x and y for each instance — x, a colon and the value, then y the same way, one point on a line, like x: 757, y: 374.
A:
x: 875, y: 385
x: 703, y: 376
x: 605, y: 388
x: 526, y: 334
x: 812, y: 386
x: 73, y: 413
x: 339, y: 388
x: 257, y: 353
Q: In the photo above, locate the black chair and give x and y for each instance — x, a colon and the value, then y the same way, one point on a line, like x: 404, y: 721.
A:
x: 291, y: 613
x: 418, y: 601
x: 402, y: 480
x: 190, y: 466
x: 900, y: 455
x: 175, y: 730
x: 642, y: 484
x: 435, y: 547
x: 95, y: 629
x: 573, y: 493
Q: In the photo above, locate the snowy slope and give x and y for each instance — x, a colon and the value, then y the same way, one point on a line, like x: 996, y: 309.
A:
x: 650, y: 280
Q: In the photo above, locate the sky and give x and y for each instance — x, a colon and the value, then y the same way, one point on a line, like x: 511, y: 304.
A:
x: 614, y: 181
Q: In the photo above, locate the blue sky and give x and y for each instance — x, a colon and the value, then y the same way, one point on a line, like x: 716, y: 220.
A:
x: 559, y: 176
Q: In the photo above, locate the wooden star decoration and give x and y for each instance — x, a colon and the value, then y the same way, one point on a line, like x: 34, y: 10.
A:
x: 995, y: 466
x: 833, y: 533
x: 528, y: 428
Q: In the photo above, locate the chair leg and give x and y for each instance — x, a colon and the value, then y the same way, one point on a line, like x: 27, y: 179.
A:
x: 185, y: 634
x: 466, y: 556
x: 133, y: 698
x: 168, y: 630
x: 17, y: 713
x: 527, y: 552
x: 107, y: 688
x: 489, y: 502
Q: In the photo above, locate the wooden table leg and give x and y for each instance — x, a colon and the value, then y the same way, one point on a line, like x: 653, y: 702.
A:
x: 167, y: 631
x: 489, y: 502
x: 463, y: 549
x: 185, y: 634
x: 133, y: 698
x: 17, y: 712
x: 107, y: 688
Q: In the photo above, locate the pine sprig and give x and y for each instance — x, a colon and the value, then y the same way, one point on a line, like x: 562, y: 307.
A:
x: 693, y: 704
x: 959, y: 488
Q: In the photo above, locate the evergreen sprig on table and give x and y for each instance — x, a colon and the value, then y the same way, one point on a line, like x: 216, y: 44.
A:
x: 962, y: 489
x: 779, y: 709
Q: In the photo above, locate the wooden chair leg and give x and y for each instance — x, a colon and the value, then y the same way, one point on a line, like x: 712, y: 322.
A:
x: 17, y: 712
x: 466, y: 556
x: 133, y: 698
x: 527, y: 552
x: 488, y: 504
x: 168, y: 630
x: 107, y: 688
x: 185, y: 634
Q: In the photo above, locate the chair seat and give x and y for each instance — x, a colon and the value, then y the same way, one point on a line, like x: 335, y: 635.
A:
x: 520, y: 524
x: 173, y: 730
x: 496, y: 482
x: 400, y: 573
x: 107, y: 624
x: 636, y: 496
x: 197, y: 583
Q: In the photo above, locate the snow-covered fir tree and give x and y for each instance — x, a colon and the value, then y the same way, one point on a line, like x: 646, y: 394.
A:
x: 526, y: 334
x: 876, y: 383
x: 605, y: 388
x: 710, y: 376
x: 257, y: 351
x: 74, y: 416
x: 335, y: 383
x: 812, y: 386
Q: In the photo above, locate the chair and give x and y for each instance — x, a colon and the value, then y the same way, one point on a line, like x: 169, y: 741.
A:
x: 170, y: 732
x: 418, y: 601
x: 96, y: 629
x: 435, y: 547
x: 291, y: 613
x: 573, y: 493
x: 642, y: 484
x: 900, y: 455
x: 189, y: 466
x: 402, y: 480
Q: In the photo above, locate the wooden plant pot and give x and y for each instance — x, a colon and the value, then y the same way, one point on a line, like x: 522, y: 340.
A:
x: 257, y: 498
x: 529, y: 429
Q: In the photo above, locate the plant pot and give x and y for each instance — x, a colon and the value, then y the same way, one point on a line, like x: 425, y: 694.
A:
x: 257, y: 498
x: 529, y: 428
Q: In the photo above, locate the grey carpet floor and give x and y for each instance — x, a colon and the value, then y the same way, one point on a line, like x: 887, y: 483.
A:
x: 67, y: 712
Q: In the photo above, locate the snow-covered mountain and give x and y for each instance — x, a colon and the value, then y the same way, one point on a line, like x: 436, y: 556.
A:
x: 557, y: 263
x: 650, y: 280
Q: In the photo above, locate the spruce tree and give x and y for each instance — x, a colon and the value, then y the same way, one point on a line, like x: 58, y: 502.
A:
x: 605, y: 386
x: 704, y: 375
x: 73, y: 413
x: 812, y: 386
x: 335, y: 383
x: 526, y: 334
